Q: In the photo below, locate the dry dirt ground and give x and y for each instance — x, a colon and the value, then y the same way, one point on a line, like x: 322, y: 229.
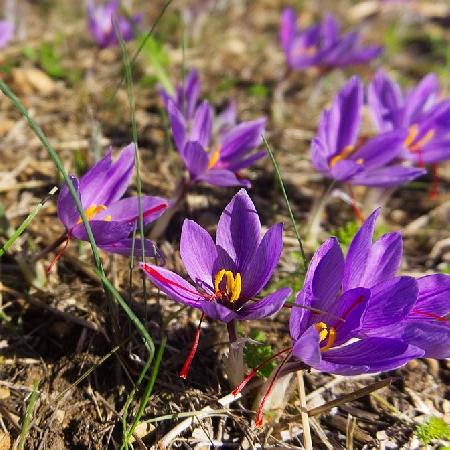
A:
x: 54, y: 329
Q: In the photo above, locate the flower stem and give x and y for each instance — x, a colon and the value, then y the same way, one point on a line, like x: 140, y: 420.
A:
x: 232, y: 331
x: 307, y: 441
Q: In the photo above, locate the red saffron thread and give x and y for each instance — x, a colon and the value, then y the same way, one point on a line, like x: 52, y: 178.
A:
x: 58, y: 254
x: 260, y: 413
x: 244, y: 382
x: 154, y: 210
x: 187, y: 364
x: 358, y: 213
x: 430, y: 315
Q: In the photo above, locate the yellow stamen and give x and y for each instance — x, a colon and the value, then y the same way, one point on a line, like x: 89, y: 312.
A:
x: 92, y: 211
x: 108, y: 218
x: 326, y: 333
x: 214, y: 158
x: 413, y: 132
x: 421, y: 142
x: 348, y: 150
x: 233, y: 286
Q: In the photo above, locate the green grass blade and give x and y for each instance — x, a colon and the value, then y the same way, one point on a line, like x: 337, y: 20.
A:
x: 28, y: 416
x: 23, y: 226
x: 286, y: 199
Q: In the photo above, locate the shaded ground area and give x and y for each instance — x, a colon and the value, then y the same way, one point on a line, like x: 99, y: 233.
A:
x: 56, y: 328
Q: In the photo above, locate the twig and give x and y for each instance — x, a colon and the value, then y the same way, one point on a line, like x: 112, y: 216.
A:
x: 307, y: 441
x: 185, y: 424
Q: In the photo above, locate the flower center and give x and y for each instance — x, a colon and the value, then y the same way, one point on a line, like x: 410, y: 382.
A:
x: 227, y: 286
x: 326, y: 334
x: 93, y: 210
x: 214, y: 157
x: 348, y: 150
x: 410, y: 142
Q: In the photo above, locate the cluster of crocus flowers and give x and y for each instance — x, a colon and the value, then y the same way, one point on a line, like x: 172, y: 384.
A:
x: 213, y: 150
x: 112, y: 218
x: 355, y: 315
x: 338, y: 153
x: 227, y: 274
x: 101, y: 26
x: 6, y: 32
x: 320, y: 45
x: 420, y: 111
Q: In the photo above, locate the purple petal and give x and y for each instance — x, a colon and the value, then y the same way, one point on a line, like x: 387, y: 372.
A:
x: 192, y: 89
x: 300, y: 313
x: 202, y: 124
x: 265, y: 307
x: 173, y: 285
x: 358, y: 253
x: 223, y: 178
x: 307, y: 347
x: 242, y: 138
x: 104, y: 232
x: 195, y: 158
x: 216, y: 311
x: 125, y: 248
x: 385, y: 99
x: 433, y: 338
x: 345, y: 316
x: 434, y: 294
x: 380, y: 150
x: 327, y: 269
x: 387, y: 176
x: 66, y: 208
x: 345, y: 169
x: 178, y: 124
x: 226, y: 119
x: 384, y: 259
x: 260, y: 267
x: 198, y: 253
x: 330, y: 30
x: 419, y: 98
x: 127, y: 209
x: 106, y: 183
x: 244, y: 163
x: 287, y: 28
x: 390, y: 302
x: 239, y: 230
x: 377, y: 354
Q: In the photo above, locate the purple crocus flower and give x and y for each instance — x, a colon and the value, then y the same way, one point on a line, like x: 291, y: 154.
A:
x: 320, y: 44
x: 335, y: 151
x: 420, y: 111
x: 100, y: 23
x: 337, y: 315
x: 6, y: 32
x: 111, y: 217
x: 227, y: 274
x: 233, y: 150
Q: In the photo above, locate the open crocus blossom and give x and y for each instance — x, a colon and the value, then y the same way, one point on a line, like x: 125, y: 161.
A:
x: 227, y: 274
x: 111, y: 217
x: 6, y: 32
x: 218, y: 162
x: 337, y: 317
x: 336, y: 153
x: 320, y: 44
x: 420, y: 111
x: 100, y: 23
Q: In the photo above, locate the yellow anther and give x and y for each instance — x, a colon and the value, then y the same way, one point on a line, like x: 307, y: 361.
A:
x: 413, y: 132
x: 348, y: 150
x: 321, y: 327
x: 423, y: 141
x: 326, y: 333
x: 214, y: 158
x: 233, y: 285
x: 237, y: 287
x: 108, y: 218
x: 92, y: 211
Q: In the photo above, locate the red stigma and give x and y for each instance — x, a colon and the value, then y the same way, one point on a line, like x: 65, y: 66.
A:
x: 187, y: 364
x: 430, y: 315
x: 59, y: 254
x: 155, y: 209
